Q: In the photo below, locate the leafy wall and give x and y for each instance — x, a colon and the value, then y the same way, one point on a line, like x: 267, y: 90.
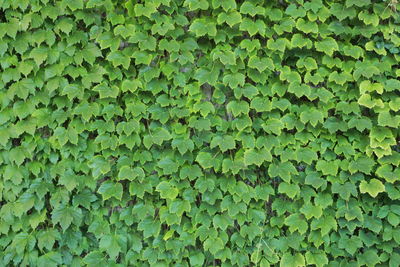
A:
x: 199, y: 133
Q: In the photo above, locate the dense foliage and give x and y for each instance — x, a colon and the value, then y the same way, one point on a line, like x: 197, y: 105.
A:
x: 199, y: 133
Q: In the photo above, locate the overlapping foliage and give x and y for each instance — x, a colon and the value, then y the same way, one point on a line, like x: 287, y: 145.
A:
x: 199, y: 133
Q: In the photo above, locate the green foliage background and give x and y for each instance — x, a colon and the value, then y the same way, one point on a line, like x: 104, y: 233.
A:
x: 199, y: 133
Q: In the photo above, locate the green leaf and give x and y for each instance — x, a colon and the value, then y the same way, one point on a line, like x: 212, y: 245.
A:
x: 65, y: 215
x: 145, y: 10
x: 73, y: 4
x: 296, y: 222
x: 274, y: 126
x: 167, y: 190
x: 296, y: 260
x: 362, y: 164
x: 51, y: 258
x: 225, y: 4
x: 197, y: 259
x: 300, y: 41
x: 99, y: 166
x: 168, y: 166
x: 126, y: 173
x: 225, y: 143
x: 310, y: 211
x: 231, y: 18
x: 213, y: 245
x: 279, y: 44
x: 237, y: 108
x: 205, y: 160
x: 327, y: 167
x: 318, y: 258
x: 149, y: 227
x: 46, y: 239
x: 386, y: 119
x: 327, y: 46
x: 325, y: 224
x: 94, y: 258
x: 202, y: 27
x: 368, y: 87
x: 291, y: 190
x: 373, y: 187
x: 386, y: 171
x: 222, y: 221
x: 110, y: 244
x: 255, y: 157
x: 234, y: 80
x: 251, y: 9
x: 109, y: 189
x: 132, y: 86
x: 118, y: 58
x: 253, y: 27
x: 369, y: 258
x: 39, y: 55
x: 261, y: 64
x: 306, y: 26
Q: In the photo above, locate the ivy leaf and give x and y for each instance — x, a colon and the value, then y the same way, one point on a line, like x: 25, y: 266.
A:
x: 99, y: 166
x: 386, y: 119
x: 328, y: 46
x: 51, y: 258
x: 131, y: 86
x: 310, y: 211
x: 313, y: 116
x: 205, y: 160
x: 225, y: 143
x: 65, y: 215
x: 279, y: 44
x: 373, y: 187
x: 306, y: 26
x: 213, y: 245
x: 300, y: 41
x: 237, y: 108
x: 73, y: 4
x: 291, y: 190
x: 149, y: 227
x: 94, y: 258
x: 167, y: 190
x: 231, y: 18
x: 145, y: 10
x: 368, y: 87
x: 39, y: 55
x: 386, y: 171
x: 318, y: 258
x: 126, y: 173
x: 251, y: 9
x: 110, y: 244
x: 274, y: 126
x: 225, y: 4
x: 362, y: 164
x: 261, y: 64
x: 253, y: 27
x: 197, y: 259
x: 117, y: 58
x: 234, y: 80
x: 222, y: 221
x: 47, y: 239
x: 183, y: 145
x: 369, y: 258
x: 252, y: 156
x: 296, y: 260
x: 109, y: 189
x: 203, y: 27
x: 168, y: 166
x: 296, y: 222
